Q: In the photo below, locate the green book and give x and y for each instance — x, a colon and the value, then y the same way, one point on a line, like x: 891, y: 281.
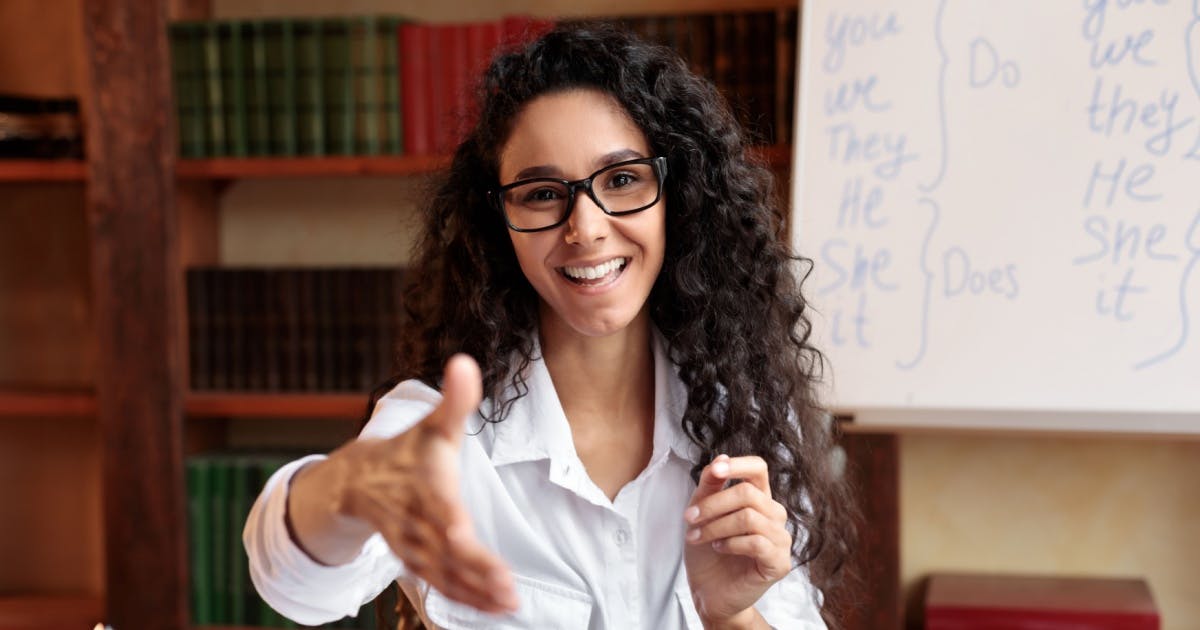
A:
x: 214, y: 106
x: 281, y: 85
x: 389, y: 68
x: 183, y: 75
x: 233, y: 76
x: 309, y: 97
x: 257, y: 106
x: 239, y: 577
x: 365, y: 55
x: 199, y: 483
x: 338, y: 86
x: 220, y: 474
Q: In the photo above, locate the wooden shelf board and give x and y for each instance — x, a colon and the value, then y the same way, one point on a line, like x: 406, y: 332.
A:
x: 46, y: 611
x: 293, y: 167
x: 348, y: 166
x: 42, y: 170
x: 275, y: 405
x: 18, y: 402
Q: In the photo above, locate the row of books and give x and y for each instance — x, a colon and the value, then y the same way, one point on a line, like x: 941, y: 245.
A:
x: 323, y: 86
x: 385, y: 85
x: 274, y: 330
x: 221, y: 489
x: 39, y: 128
x: 750, y: 56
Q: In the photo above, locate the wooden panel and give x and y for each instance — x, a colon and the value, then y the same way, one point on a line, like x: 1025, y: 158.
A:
x: 46, y: 333
x: 40, y: 49
x: 51, y: 525
x: 137, y: 281
x: 18, y: 403
x: 874, y: 466
x: 251, y: 405
x: 50, y: 612
x: 42, y: 171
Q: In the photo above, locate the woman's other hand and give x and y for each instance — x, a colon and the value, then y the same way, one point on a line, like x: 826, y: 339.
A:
x: 407, y: 489
x: 737, y: 542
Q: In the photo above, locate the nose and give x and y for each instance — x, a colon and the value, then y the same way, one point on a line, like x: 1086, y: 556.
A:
x: 587, y: 223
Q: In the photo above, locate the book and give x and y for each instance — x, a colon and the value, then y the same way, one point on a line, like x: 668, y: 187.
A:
x: 309, y: 96
x: 258, y: 104
x: 416, y: 81
x: 199, y: 485
x: 233, y: 86
x: 390, y: 88
x: 214, y: 110
x: 339, y: 115
x: 281, y: 85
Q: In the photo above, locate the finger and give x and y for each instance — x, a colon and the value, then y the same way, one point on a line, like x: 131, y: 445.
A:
x: 712, y: 479
x: 740, y: 523
x: 462, y: 391
x: 753, y: 469
x: 733, y: 499
x: 772, y: 564
x: 429, y: 555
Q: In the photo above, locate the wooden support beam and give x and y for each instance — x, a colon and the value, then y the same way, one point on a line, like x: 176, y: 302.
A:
x: 137, y: 289
x: 874, y: 466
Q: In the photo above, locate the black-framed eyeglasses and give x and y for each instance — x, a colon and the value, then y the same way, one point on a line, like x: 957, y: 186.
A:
x: 543, y: 203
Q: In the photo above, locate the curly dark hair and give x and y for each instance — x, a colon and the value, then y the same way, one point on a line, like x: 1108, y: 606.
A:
x: 728, y: 301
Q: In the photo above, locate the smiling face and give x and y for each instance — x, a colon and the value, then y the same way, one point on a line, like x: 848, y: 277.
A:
x: 594, y: 272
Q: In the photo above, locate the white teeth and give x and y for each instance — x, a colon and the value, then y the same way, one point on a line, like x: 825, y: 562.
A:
x: 592, y: 273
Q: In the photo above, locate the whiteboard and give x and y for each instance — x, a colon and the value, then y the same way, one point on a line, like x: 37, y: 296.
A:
x: 1002, y: 203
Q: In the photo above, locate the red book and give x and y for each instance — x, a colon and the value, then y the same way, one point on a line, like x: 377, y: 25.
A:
x: 457, y: 68
x: 520, y: 29
x: 1006, y: 602
x: 415, y: 86
x: 483, y: 38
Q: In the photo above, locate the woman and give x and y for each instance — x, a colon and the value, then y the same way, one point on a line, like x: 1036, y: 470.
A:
x: 639, y: 444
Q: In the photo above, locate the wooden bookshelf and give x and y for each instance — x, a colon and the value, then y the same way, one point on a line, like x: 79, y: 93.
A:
x: 15, y: 171
x: 293, y: 167
x: 777, y: 156
x: 50, y: 612
x: 30, y: 403
x: 275, y: 405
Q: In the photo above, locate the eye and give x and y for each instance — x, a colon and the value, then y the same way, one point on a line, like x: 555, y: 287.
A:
x: 543, y: 194
x: 622, y: 179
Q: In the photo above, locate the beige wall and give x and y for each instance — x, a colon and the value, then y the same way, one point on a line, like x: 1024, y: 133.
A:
x: 1070, y: 506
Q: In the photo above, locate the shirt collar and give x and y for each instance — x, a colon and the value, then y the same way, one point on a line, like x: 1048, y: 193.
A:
x: 536, y: 426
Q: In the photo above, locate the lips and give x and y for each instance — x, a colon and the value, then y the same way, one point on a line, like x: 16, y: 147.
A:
x: 595, y: 275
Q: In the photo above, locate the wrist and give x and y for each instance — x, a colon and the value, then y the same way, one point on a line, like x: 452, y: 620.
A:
x: 744, y: 620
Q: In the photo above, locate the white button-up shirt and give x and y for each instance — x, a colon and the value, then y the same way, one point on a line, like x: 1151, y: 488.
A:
x: 578, y: 559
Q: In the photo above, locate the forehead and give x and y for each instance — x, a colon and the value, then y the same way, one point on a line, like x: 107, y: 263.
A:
x: 569, y: 132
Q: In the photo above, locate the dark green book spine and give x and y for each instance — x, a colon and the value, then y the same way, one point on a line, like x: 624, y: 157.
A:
x: 181, y: 77
x: 389, y: 67
x: 220, y: 475
x: 199, y: 482
x: 257, y: 105
x: 239, y: 578
x: 215, y: 95
x: 234, y: 74
x: 370, y: 84
x: 309, y: 96
x: 338, y: 86
x: 281, y: 85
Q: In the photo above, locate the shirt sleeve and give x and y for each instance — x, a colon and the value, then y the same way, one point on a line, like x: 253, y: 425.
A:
x: 792, y: 602
x: 284, y: 575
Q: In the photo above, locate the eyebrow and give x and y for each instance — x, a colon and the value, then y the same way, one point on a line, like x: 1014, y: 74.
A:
x: 547, y: 170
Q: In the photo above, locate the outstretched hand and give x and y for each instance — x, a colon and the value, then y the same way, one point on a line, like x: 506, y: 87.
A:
x: 407, y: 488
x: 737, y: 540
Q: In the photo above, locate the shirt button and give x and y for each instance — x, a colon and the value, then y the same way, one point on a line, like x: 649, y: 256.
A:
x: 622, y: 537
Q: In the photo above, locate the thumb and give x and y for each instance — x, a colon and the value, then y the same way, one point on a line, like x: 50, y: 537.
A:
x: 462, y: 391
